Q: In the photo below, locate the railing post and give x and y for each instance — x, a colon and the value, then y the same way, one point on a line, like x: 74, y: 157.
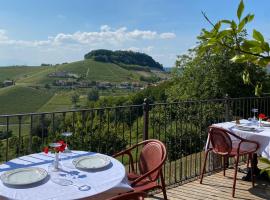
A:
x: 145, y: 119
x: 226, y: 107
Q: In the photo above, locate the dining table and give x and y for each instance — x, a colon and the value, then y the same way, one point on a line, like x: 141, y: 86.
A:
x: 251, y: 130
x: 69, y: 182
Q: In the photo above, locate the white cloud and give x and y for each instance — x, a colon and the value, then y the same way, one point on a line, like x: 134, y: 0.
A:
x: 106, y: 35
x: 67, y: 47
x: 167, y: 35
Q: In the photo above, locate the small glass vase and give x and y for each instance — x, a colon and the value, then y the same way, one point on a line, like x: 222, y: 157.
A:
x: 56, y: 166
x: 260, y: 122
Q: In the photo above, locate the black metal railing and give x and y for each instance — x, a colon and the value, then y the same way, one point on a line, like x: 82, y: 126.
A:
x: 182, y: 126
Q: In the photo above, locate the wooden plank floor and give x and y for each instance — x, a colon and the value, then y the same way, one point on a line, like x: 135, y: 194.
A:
x: 217, y: 186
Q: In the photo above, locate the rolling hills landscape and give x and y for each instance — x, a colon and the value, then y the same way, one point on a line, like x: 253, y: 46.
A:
x: 50, y: 87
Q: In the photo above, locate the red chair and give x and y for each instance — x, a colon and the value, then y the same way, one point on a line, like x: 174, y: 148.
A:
x: 129, y: 196
x: 227, y: 144
x: 151, y: 159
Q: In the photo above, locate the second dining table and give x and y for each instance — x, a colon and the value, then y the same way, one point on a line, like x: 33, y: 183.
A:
x: 255, y: 133
x: 101, y: 184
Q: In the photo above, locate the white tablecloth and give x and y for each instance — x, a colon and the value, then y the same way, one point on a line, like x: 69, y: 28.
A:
x: 261, y: 135
x: 103, y: 183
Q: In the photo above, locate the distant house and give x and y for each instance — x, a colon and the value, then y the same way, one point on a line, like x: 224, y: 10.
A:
x: 7, y: 83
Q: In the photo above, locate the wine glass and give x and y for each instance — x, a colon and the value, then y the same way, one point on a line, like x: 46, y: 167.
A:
x: 254, y: 110
x: 67, y: 134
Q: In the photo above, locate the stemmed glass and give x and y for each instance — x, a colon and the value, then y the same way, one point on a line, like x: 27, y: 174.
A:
x: 254, y: 110
x: 67, y: 134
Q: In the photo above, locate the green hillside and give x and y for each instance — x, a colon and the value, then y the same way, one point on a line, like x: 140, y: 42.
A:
x: 18, y: 99
x: 29, y: 93
x: 92, y: 70
x: 16, y: 73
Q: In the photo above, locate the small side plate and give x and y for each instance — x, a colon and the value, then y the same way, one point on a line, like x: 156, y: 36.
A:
x: 91, y: 162
x: 245, y: 128
x: 265, y: 124
x: 23, y: 176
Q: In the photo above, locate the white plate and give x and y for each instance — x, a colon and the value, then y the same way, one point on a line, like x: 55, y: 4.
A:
x: 91, y: 162
x: 266, y: 124
x: 24, y: 176
x: 245, y: 128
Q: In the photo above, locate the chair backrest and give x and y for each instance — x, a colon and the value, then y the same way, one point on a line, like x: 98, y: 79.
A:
x: 220, y: 140
x: 153, y: 154
x: 129, y: 196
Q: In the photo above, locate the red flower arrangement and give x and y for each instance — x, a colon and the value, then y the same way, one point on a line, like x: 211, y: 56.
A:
x: 262, y: 116
x: 56, y: 149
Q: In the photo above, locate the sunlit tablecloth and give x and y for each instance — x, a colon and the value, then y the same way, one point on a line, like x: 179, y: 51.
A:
x: 261, y: 135
x: 103, y: 183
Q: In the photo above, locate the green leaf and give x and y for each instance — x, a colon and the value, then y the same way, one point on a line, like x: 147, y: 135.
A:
x: 239, y: 58
x: 264, y: 160
x: 265, y: 46
x: 244, y: 21
x: 223, y: 33
x: 247, y: 44
x: 226, y: 21
x: 258, y: 36
x: 258, y: 89
x: 233, y: 25
x: 246, y: 77
x: 240, y: 9
x: 217, y: 26
x: 250, y: 17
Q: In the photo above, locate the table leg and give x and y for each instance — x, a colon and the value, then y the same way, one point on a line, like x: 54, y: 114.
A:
x: 248, y: 170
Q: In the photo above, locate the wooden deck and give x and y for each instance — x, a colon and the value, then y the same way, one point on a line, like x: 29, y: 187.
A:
x: 217, y: 186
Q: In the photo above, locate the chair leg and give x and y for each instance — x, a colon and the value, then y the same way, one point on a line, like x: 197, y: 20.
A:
x: 163, y: 185
x: 248, y: 160
x: 235, y: 175
x: 252, y: 169
x: 204, y: 165
x: 224, y: 164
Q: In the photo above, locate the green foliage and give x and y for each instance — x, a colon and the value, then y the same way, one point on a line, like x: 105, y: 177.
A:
x: 245, y: 50
x: 93, y: 95
x: 267, y: 169
x: 211, y: 75
x: 5, y: 134
x: 126, y: 57
x: 75, y: 99
x: 150, y: 79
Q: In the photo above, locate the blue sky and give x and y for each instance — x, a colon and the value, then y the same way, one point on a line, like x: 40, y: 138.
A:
x: 55, y: 31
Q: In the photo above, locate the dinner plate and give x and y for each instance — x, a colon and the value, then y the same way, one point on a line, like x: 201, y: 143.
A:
x: 265, y: 123
x: 24, y: 176
x: 245, y: 128
x: 91, y: 162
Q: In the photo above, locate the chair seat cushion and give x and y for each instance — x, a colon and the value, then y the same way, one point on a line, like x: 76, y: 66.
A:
x: 245, y: 148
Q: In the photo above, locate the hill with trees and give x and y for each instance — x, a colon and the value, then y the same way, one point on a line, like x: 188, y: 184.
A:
x: 125, y: 57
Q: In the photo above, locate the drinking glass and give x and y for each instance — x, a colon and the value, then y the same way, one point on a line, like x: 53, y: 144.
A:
x: 67, y: 134
x: 254, y: 110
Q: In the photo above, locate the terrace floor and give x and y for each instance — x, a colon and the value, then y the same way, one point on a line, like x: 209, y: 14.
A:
x: 216, y: 186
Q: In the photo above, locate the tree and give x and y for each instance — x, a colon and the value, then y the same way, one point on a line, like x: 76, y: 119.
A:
x: 75, y: 99
x: 123, y: 57
x: 212, y: 75
x: 93, y: 95
x: 254, y: 50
